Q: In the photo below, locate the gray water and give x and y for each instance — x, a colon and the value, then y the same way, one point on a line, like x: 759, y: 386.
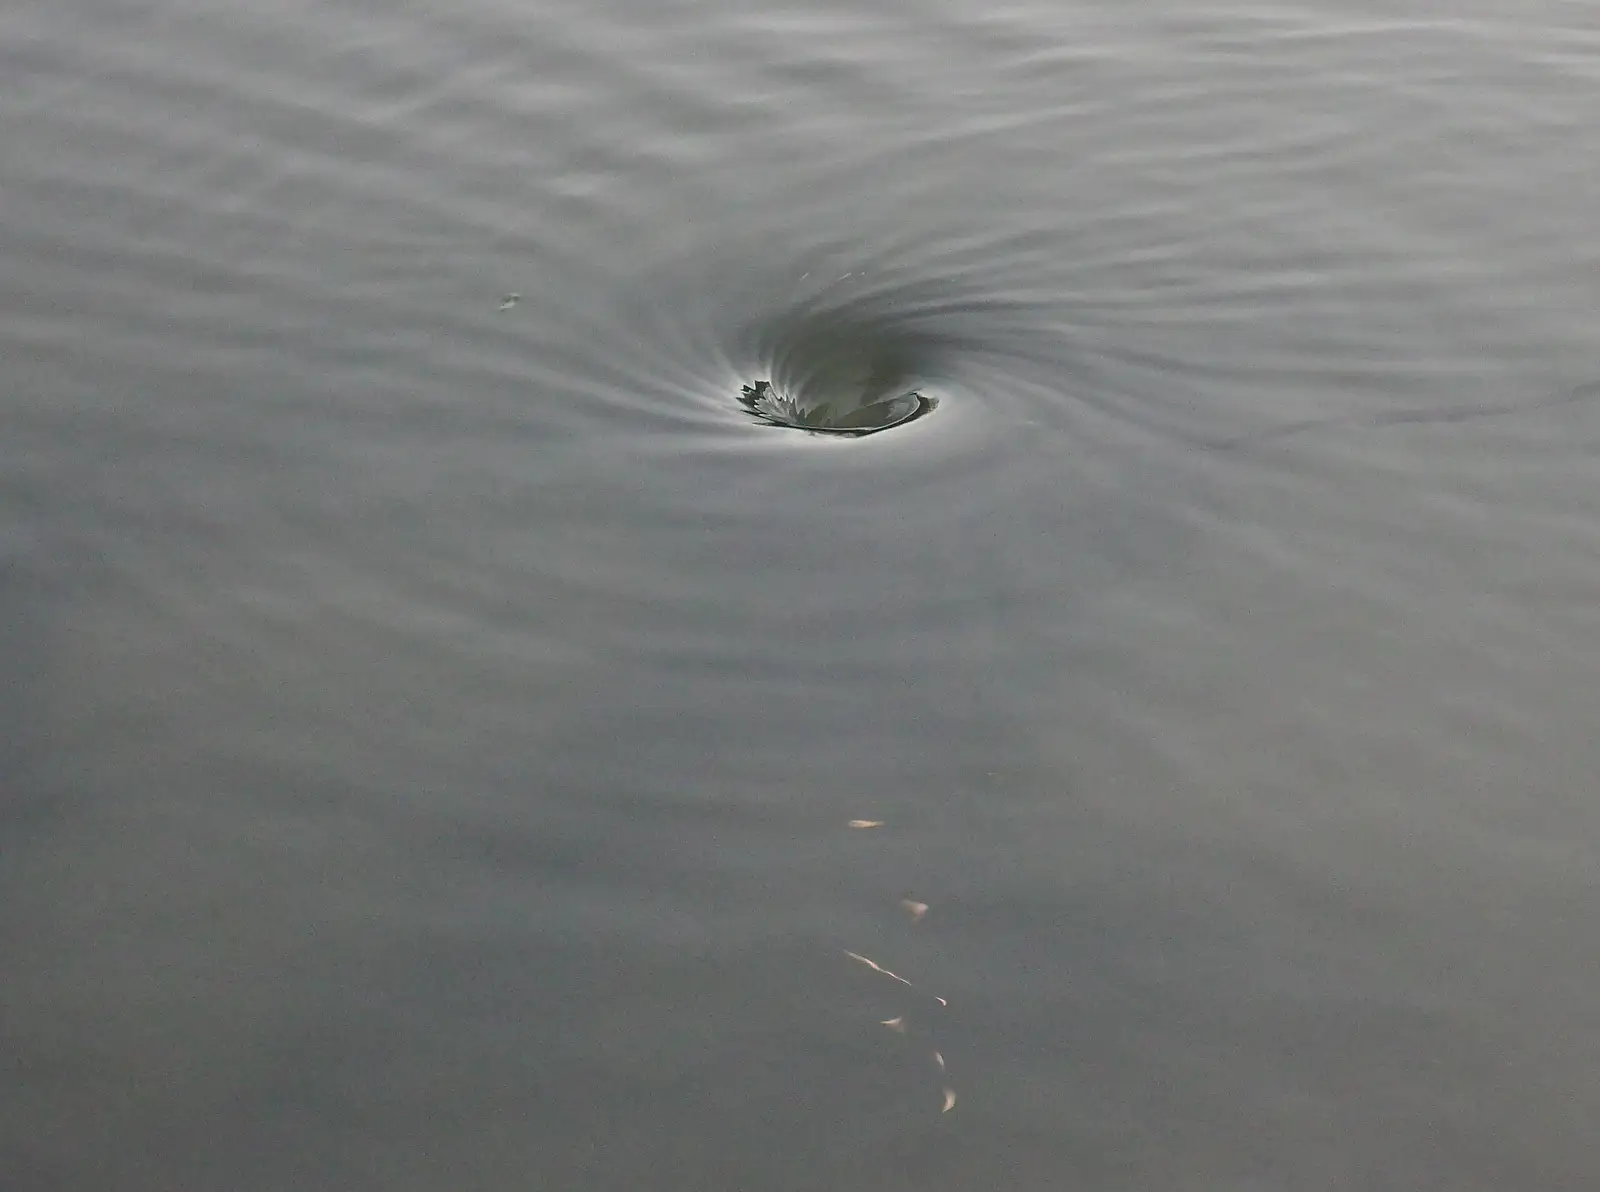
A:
x: 430, y: 731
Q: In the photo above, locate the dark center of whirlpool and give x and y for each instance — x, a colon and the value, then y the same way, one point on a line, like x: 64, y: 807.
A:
x: 839, y: 377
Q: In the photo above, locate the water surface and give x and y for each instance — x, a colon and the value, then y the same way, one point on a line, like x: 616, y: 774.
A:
x: 431, y: 730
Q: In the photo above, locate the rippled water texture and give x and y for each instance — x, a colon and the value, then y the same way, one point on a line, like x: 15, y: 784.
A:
x: 434, y: 721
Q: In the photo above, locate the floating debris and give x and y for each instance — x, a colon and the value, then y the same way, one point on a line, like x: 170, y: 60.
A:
x: 878, y: 968
x: 893, y: 976
x: 509, y: 301
x: 916, y: 910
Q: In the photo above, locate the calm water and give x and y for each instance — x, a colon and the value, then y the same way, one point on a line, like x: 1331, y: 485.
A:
x: 431, y: 730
